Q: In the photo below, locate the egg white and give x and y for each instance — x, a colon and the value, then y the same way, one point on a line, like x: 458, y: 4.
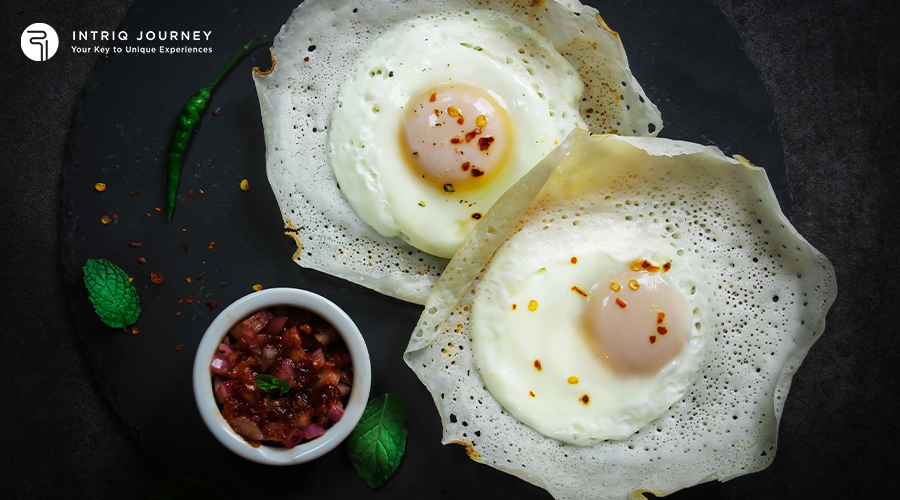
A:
x: 526, y: 312
x: 537, y: 86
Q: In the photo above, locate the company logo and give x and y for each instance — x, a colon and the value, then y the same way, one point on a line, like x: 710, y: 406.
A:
x: 39, y: 42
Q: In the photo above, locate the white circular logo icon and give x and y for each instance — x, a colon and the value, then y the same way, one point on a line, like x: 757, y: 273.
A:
x: 39, y: 42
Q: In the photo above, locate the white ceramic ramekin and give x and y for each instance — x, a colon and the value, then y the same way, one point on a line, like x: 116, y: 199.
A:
x: 206, y: 398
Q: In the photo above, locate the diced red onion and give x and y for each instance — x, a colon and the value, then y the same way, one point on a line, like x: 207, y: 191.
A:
x: 237, y: 331
x: 276, y: 324
x: 329, y: 376
x: 247, y: 428
x: 292, y: 337
x: 253, y: 324
x: 344, y: 389
x: 297, y: 354
x: 268, y: 356
x: 336, y: 412
x: 313, y: 431
x: 317, y: 358
x: 219, y: 364
x: 294, y: 439
x: 285, y: 371
x: 226, y: 390
x: 225, y: 349
x: 327, y: 335
x: 344, y: 360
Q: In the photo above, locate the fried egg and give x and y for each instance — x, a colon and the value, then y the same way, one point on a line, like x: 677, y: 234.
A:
x: 588, y: 333
x: 359, y: 227
x: 440, y: 116
x: 754, y: 294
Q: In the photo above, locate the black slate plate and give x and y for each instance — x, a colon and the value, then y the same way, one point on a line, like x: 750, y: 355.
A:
x: 686, y: 57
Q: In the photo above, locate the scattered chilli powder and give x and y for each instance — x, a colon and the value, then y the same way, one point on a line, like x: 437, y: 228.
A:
x: 188, y: 279
x: 199, y: 277
x: 185, y: 246
x: 211, y: 304
x: 179, y: 347
x: 142, y: 260
x: 135, y: 330
x: 134, y: 245
x: 257, y: 287
x: 100, y: 187
x: 134, y: 193
x: 156, y: 277
x: 105, y: 220
x: 199, y: 191
x: 215, y: 112
x: 191, y: 192
x: 211, y: 245
x: 188, y: 298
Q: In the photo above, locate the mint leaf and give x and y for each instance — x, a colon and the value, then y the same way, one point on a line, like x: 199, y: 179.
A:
x: 378, y: 440
x: 181, y: 487
x: 110, y: 290
x: 270, y: 383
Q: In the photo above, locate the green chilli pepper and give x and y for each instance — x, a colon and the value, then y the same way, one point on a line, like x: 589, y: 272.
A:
x: 187, y: 122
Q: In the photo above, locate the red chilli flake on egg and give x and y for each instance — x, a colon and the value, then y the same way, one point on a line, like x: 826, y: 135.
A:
x: 621, y: 303
x: 471, y: 135
x: 653, y: 339
x: 433, y: 97
x: 579, y: 291
x: 484, y: 143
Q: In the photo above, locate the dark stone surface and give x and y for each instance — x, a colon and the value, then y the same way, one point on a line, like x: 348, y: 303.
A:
x: 832, y: 70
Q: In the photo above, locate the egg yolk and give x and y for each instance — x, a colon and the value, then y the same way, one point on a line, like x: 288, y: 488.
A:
x: 636, y: 322
x: 456, y: 135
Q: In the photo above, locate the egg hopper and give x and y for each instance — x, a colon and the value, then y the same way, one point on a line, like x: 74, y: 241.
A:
x: 686, y: 57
